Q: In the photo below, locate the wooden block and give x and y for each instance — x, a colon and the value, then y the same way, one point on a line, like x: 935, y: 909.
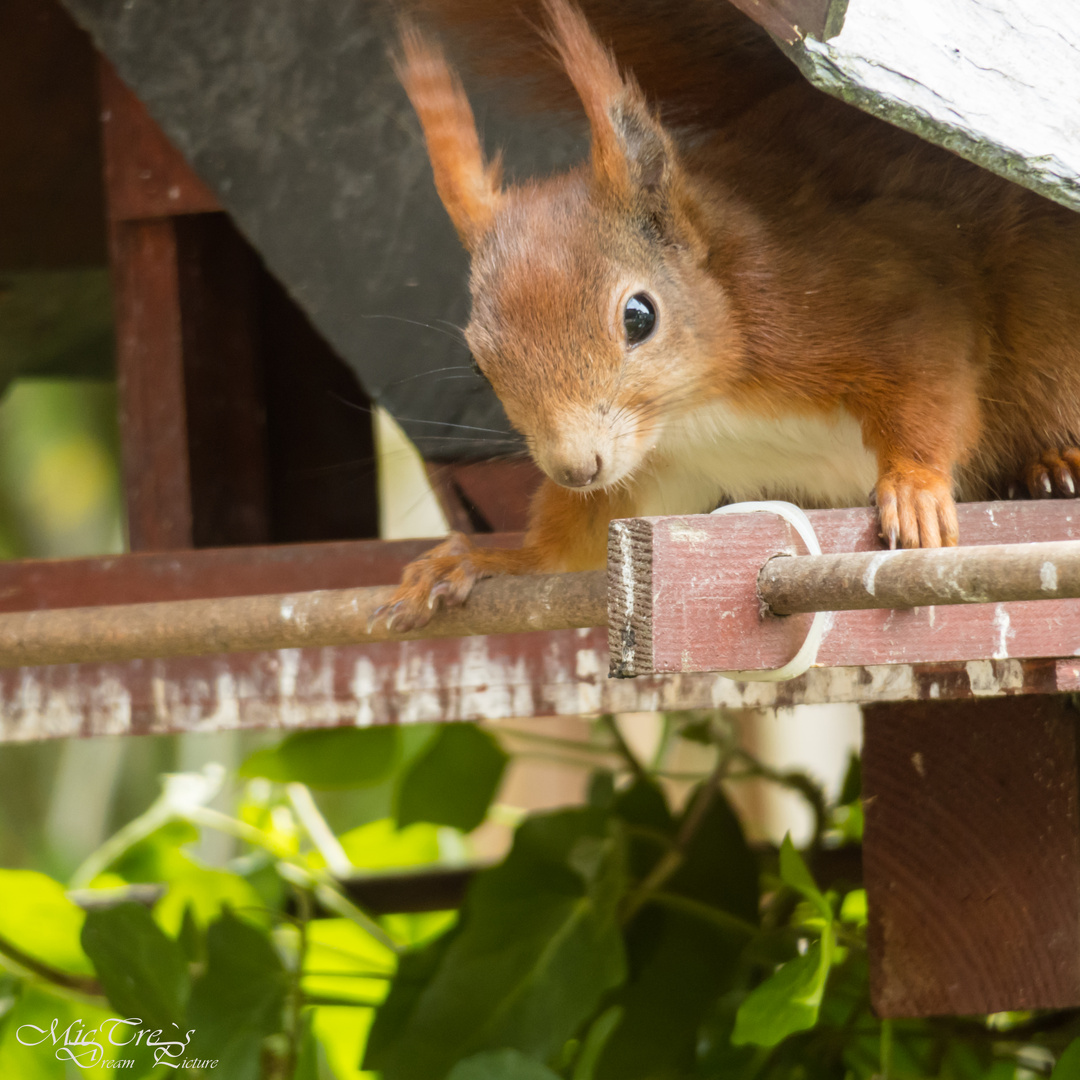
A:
x: 485, y: 496
x: 684, y: 597
x: 972, y: 856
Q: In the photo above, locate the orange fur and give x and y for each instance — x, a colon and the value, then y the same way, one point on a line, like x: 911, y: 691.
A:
x: 812, y: 269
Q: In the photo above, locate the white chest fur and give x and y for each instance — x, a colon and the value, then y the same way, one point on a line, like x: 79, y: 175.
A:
x: 716, y: 453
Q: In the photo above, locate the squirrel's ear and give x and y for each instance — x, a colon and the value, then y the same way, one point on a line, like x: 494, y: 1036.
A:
x: 631, y: 151
x: 469, y: 187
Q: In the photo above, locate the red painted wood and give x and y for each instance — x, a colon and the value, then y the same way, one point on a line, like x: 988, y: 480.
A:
x: 145, y: 175
x: 150, y: 383
x: 971, y: 856
x: 705, y: 615
x: 486, y: 496
x: 561, y: 673
x: 31, y: 584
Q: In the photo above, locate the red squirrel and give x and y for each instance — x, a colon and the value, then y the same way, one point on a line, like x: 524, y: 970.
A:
x: 801, y: 303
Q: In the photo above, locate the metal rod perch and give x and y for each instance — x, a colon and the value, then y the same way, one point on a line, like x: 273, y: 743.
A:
x: 786, y: 584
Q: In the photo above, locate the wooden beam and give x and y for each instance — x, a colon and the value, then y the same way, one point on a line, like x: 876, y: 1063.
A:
x: 150, y: 384
x: 971, y: 856
x: 153, y: 577
x: 684, y: 595
x: 145, y: 176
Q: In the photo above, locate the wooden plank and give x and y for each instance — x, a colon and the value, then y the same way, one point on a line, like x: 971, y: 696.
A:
x: 994, y: 82
x: 972, y: 856
x: 145, y: 175
x: 481, y: 678
x: 684, y: 595
x: 150, y: 384
x: 32, y: 584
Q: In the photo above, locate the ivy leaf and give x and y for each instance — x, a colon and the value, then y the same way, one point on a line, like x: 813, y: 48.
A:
x: 343, y: 757
x: 239, y: 999
x: 600, y: 1031
x: 143, y: 971
x: 454, y: 780
x: 851, y: 788
x: 795, y: 873
x: 501, y: 1065
x: 680, y: 963
x: 1068, y: 1065
x: 37, y: 916
x: 789, y: 1000
x: 537, y: 947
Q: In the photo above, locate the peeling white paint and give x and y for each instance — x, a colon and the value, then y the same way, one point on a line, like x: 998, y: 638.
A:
x: 987, y: 678
x: 875, y: 565
x: 1001, y: 624
x: 1048, y: 577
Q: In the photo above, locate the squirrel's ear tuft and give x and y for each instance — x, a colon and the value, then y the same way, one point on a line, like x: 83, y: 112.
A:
x: 469, y: 187
x: 631, y: 152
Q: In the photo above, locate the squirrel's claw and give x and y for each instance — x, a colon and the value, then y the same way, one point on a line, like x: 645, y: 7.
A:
x: 444, y: 576
x: 916, y: 508
x: 1056, y: 472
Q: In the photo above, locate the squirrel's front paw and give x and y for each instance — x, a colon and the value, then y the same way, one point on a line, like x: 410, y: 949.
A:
x: 446, y: 573
x: 1056, y: 472
x: 916, y: 508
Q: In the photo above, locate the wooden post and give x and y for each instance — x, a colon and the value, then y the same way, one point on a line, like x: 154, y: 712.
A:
x: 147, y: 184
x: 239, y: 423
x: 972, y: 855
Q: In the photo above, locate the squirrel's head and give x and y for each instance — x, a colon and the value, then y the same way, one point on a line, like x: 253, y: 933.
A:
x: 593, y: 314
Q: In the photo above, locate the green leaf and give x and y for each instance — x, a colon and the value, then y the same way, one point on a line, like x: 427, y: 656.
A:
x: 794, y: 872
x: 143, y: 971
x: 454, y: 780
x: 379, y: 845
x: 307, y: 1060
x: 601, y: 793
x: 341, y: 757
x: 599, y: 1032
x: 787, y: 1001
x: 37, y: 917
x: 239, y: 999
x: 341, y: 952
x: 501, y: 1065
x: 679, y: 963
x: 537, y: 947
x: 851, y: 788
x: 1068, y: 1065
x: 158, y: 857
x: 204, y: 893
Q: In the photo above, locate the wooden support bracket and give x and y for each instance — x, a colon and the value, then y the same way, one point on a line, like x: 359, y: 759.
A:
x: 971, y: 855
x: 684, y: 595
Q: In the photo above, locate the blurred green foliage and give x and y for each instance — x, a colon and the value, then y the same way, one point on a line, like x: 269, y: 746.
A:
x: 627, y: 939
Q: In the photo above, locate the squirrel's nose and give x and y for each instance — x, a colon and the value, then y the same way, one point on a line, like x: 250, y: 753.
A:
x: 581, y: 475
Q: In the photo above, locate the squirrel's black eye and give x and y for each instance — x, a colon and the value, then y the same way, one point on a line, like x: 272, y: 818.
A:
x: 639, y: 318
x: 477, y: 370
